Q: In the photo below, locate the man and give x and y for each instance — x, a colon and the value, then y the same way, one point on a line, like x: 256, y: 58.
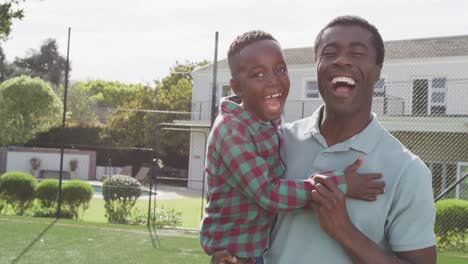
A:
x: 398, y: 227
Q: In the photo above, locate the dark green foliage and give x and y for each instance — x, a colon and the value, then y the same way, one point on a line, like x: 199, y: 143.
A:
x: 8, y: 12
x: 27, y: 106
x: 51, y: 212
x: 17, y: 190
x: 46, y: 192
x: 76, y: 195
x: 120, y: 194
x: 451, y: 215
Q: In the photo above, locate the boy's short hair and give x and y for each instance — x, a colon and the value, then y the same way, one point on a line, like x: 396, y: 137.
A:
x: 360, y: 22
x: 243, y: 41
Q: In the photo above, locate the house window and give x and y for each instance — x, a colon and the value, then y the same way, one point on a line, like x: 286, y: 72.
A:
x: 379, y: 88
x: 311, y: 89
x: 438, y: 91
x: 429, y: 96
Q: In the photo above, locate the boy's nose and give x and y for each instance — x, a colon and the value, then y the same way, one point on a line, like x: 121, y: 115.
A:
x: 273, y: 79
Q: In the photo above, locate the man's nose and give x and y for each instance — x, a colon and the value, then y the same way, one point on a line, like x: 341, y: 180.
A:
x: 343, y: 59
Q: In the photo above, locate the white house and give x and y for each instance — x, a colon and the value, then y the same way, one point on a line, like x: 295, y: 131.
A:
x: 423, y: 92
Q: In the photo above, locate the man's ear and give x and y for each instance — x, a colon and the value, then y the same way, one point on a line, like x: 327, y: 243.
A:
x: 379, y: 70
x: 235, y: 86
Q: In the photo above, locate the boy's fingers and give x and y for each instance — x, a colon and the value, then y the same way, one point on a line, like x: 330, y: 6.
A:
x: 376, y: 185
x: 376, y: 191
x: 370, y: 198
x: 223, y: 257
x: 355, y: 165
x: 372, y: 176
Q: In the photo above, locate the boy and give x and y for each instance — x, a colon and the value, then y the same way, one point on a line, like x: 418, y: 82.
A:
x: 243, y: 162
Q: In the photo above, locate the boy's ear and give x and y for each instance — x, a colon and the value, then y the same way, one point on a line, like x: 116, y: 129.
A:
x: 235, y: 87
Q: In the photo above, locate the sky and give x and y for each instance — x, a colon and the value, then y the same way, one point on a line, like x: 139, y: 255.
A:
x: 138, y: 41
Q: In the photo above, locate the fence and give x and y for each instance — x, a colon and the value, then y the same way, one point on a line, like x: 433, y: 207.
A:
x: 421, y: 98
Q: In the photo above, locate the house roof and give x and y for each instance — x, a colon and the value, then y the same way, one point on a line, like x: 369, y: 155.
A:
x: 394, y: 50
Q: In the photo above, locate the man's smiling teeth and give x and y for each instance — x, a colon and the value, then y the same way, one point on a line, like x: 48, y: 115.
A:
x: 273, y: 96
x: 346, y: 80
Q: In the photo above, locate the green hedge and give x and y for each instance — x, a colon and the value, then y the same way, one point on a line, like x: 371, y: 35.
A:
x: 46, y: 192
x: 76, y: 195
x: 451, y: 215
x: 120, y: 194
x: 17, y: 190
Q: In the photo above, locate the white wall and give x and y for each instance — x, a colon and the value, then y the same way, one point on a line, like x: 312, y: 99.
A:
x: 197, y: 160
x: 19, y: 161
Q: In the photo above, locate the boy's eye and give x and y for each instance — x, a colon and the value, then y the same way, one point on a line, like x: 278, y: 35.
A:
x: 259, y: 74
x: 282, y: 70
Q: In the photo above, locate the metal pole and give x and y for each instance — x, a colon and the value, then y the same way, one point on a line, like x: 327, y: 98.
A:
x: 450, y: 188
x: 59, y: 203
x: 215, y: 72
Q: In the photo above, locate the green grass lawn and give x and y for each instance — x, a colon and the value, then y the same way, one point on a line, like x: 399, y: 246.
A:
x: 189, y: 207
x: 41, y: 240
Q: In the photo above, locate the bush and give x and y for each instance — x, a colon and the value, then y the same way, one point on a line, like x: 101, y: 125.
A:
x: 40, y: 211
x: 453, y: 241
x: 120, y: 194
x: 451, y: 215
x: 165, y: 217
x: 46, y: 192
x: 76, y: 195
x: 17, y: 190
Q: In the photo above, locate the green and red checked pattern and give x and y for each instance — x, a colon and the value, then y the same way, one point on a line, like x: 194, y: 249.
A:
x: 244, y: 185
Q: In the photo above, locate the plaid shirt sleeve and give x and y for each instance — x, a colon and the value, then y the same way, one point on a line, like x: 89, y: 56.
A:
x: 253, y: 176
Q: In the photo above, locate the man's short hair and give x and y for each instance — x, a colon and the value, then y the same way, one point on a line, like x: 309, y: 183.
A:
x: 355, y: 21
x: 243, y: 41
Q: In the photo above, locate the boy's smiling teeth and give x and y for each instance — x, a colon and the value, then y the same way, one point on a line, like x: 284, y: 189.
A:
x: 342, y: 79
x: 273, y: 96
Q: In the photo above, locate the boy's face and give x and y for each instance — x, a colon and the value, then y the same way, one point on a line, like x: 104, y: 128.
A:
x: 261, y: 79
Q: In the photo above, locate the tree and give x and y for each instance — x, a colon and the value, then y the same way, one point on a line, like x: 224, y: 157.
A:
x: 47, y: 63
x: 8, y: 12
x: 27, y: 106
x: 105, y: 93
x: 81, y: 110
x: 2, y: 64
x: 135, y: 128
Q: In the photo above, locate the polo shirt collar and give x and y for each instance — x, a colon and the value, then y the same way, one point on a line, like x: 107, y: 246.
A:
x: 364, y: 142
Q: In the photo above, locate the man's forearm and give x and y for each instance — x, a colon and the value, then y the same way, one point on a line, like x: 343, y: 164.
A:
x: 363, y: 250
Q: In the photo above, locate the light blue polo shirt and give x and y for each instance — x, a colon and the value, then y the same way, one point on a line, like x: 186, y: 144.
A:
x: 402, y: 219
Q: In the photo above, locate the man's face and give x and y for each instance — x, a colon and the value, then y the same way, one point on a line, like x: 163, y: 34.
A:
x: 262, y: 79
x: 347, y: 69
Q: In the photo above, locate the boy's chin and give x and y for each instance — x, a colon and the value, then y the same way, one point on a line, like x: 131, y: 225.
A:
x: 271, y: 116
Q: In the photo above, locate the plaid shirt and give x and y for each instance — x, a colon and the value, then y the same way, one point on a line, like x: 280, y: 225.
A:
x: 244, y: 169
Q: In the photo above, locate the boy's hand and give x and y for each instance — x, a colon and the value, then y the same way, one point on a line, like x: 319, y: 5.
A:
x: 223, y: 257
x: 363, y: 186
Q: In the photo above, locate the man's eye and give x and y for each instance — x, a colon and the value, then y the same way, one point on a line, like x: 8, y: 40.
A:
x: 259, y: 75
x: 357, y: 54
x: 328, y: 53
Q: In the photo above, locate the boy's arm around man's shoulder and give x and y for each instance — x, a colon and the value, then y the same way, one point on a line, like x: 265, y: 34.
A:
x: 252, y: 175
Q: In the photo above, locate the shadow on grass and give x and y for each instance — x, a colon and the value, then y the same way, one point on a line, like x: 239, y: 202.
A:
x: 18, y: 258
x: 153, y: 236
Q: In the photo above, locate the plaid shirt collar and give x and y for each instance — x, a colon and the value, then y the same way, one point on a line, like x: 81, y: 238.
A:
x: 232, y: 105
